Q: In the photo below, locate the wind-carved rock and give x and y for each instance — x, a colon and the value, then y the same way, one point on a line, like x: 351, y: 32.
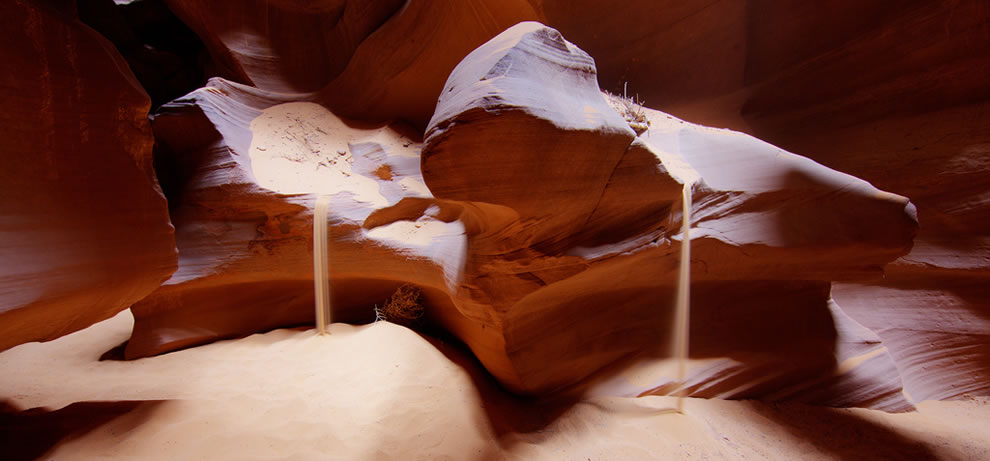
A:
x: 548, y: 239
x: 521, y: 124
x: 558, y: 141
x: 84, y: 228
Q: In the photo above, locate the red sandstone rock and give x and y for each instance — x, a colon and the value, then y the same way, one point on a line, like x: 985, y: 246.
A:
x: 283, y: 45
x: 397, y: 73
x: 532, y: 268
x: 761, y: 326
x: 85, y: 229
x: 932, y: 317
x: 379, y: 60
x: 549, y: 242
x: 555, y: 292
x: 897, y: 96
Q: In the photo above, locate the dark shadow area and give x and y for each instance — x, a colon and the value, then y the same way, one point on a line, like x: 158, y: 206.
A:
x: 844, y: 434
x: 772, y: 327
x: 28, y: 434
x: 861, y: 35
x: 780, y: 35
x: 780, y: 334
x: 115, y: 354
x: 236, y: 310
x: 176, y: 162
x: 167, y: 58
x: 838, y: 432
x: 508, y: 413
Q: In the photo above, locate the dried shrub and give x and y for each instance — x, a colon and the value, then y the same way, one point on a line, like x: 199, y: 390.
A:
x: 405, y: 307
x: 630, y: 109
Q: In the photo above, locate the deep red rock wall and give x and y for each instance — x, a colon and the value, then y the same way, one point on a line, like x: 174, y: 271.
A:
x: 85, y: 228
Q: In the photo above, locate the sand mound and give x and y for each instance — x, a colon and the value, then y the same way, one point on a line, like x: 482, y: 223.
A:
x: 381, y: 391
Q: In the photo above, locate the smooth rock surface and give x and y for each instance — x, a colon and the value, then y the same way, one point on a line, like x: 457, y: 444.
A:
x: 84, y: 229
x: 398, y: 72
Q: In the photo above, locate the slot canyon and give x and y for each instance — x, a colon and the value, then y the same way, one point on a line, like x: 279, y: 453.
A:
x: 495, y: 229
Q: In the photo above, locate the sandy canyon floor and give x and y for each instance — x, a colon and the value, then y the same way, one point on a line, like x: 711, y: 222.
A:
x: 382, y: 391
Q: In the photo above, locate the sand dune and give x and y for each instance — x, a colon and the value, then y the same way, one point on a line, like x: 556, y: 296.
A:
x: 381, y: 391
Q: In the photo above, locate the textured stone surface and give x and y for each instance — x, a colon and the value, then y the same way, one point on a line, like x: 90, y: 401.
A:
x: 84, y: 229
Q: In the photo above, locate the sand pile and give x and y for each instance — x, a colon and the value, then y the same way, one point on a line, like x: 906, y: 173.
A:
x: 381, y: 391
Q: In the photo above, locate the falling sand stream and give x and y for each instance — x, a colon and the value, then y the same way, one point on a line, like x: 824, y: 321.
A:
x: 321, y: 263
x: 682, y: 313
x: 303, y: 148
x: 682, y: 171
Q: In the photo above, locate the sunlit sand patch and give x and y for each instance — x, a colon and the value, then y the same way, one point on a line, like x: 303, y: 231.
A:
x: 303, y: 148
